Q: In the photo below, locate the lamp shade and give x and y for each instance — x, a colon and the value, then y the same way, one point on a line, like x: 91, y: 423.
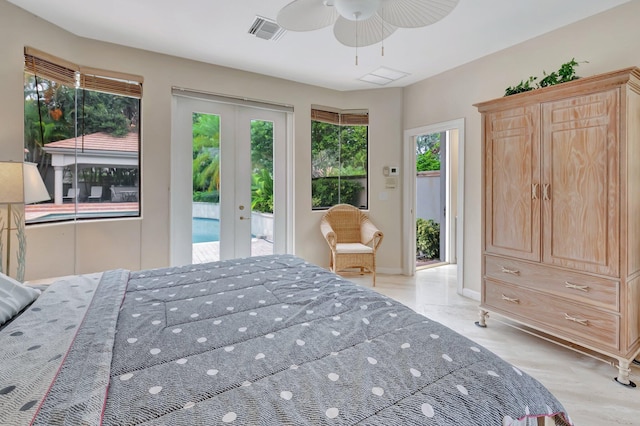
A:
x: 11, y: 188
x: 34, y: 189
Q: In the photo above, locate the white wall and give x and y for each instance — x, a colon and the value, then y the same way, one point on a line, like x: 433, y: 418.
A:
x: 62, y: 249
x: 609, y: 41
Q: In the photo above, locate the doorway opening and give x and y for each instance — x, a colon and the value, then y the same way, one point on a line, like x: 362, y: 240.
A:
x: 431, y: 238
x: 229, y: 191
x: 443, y: 203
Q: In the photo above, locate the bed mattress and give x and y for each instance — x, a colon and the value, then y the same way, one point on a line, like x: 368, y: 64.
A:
x: 270, y: 340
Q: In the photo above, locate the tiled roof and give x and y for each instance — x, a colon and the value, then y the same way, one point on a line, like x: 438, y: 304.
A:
x: 99, y: 142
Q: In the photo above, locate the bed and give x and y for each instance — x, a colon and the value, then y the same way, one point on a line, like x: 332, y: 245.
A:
x: 269, y: 340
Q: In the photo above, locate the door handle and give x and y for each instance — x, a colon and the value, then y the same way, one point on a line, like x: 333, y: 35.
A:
x: 245, y: 218
x: 545, y: 191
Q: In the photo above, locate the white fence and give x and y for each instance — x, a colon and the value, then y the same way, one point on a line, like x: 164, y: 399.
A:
x: 428, y: 195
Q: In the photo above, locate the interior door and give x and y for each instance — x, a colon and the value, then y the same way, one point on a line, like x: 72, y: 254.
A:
x: 248, y: 149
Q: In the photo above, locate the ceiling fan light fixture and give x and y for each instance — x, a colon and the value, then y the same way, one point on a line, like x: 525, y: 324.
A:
x: 356, y: 10
x: 360, y: 23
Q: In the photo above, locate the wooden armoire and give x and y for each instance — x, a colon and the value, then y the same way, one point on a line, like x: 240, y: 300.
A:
x: 561, y: 214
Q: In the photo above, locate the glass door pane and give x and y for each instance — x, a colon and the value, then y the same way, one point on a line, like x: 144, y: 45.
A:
x: 206, y: 187
x: 261, y: 187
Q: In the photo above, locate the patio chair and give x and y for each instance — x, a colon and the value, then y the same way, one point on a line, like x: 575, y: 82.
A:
x: 72, y: 194
x: 353, y: 239
x: 96, y: 194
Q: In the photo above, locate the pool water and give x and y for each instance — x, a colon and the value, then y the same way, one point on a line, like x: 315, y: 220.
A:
x: 205, y: 230
x: 52, y: 217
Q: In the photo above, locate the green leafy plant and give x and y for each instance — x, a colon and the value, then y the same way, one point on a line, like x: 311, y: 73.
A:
x: 206, y: 196
x: 567, y: 72
x: 427, y: 162
x: 523, y: 86
x: 427, y: 239
x: 262, y: 192
x: 331, y: 191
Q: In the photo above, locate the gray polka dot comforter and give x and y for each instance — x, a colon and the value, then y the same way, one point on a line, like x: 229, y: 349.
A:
x: 268, y: 340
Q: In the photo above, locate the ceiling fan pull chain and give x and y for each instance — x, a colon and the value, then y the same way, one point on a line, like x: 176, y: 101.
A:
x: 356, y: 40
x: 382, y: 25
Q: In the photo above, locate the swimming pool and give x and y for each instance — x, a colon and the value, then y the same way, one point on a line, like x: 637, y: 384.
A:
x: 104, y: 214
x: 204, y: 230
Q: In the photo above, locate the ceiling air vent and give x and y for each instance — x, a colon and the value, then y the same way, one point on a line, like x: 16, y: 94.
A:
x: 266, y: 29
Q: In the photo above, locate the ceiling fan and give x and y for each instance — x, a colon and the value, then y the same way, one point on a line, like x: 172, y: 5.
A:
x: 359, y: 23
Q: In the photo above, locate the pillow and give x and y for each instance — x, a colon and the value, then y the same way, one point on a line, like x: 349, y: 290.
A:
x: 14, y: 297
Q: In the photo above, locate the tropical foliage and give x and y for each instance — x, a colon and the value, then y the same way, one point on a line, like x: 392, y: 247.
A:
x: 206, y: 161
x: 427, y: 239
x: 338, y: 163
x: 262, y: 165
x: 333, y: 190
x: 206, y: 153
x: 262, y: 191
x: 428, y: 152
x: 50, y: 114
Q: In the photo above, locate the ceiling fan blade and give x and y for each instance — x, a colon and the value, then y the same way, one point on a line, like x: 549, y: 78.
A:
x: 415, y: 13
x: 306, y: 15
x: 369, y: 31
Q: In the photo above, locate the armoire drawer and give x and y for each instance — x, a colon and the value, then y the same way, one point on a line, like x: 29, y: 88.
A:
x: 585, y: 288
x: 562, y: 317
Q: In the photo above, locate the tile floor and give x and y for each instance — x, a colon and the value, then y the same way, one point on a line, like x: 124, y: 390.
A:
x: 584, y: 385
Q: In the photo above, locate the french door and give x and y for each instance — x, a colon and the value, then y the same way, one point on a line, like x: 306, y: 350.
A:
x: 238, y: 155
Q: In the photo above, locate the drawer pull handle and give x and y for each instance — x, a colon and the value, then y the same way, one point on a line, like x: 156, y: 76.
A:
x: 510, y: 271
x: 578, y: 320
x: 584, y: 288
x: 534, y: 191
x: 510, y: 299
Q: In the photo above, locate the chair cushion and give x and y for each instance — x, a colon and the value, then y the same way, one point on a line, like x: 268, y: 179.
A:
x: 352, y: 248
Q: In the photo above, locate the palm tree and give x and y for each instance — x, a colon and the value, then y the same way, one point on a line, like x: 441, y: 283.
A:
x: 206, y: 149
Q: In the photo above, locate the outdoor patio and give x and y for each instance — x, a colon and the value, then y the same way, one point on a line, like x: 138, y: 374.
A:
x: 210, y: 252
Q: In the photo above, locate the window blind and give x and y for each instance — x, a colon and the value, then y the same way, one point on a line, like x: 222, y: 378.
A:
x: 344, y: 118
x: 60, y: 71
x: 42, y: 64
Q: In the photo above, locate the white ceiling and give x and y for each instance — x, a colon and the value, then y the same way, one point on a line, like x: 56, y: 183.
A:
x: 215, y: 31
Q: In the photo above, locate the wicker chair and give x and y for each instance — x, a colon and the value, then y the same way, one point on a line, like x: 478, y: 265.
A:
x: 352, y: 238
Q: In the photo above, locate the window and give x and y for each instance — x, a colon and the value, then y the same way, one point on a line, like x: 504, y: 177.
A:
x: 82, y: 129
x: 339, y: 158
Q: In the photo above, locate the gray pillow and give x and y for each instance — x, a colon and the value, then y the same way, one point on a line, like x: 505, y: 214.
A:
x: 14, y: 296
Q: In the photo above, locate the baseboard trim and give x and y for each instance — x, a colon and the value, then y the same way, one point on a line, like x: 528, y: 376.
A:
x: 471, y: 294
x: 389, y: 271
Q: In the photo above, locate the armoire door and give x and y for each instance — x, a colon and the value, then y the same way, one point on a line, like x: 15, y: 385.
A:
x: 512, y: 178
x: 581, y: 185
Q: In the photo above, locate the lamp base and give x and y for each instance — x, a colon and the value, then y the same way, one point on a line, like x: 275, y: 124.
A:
x: 17, y: 215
